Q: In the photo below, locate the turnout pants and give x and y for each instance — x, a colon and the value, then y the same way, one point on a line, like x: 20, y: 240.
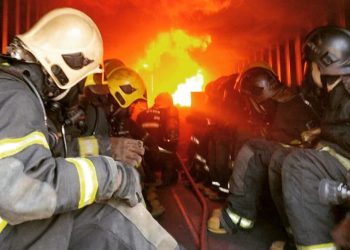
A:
x: 275, y: 182
x: 98, y: 226
x: 249, y: 178
x: 310, y: 220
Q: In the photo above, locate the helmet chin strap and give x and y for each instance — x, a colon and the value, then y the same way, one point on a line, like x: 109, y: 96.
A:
x: 260, y: 109
x: 316, y: 74
x: 330, y: 87
x: 60, y: 96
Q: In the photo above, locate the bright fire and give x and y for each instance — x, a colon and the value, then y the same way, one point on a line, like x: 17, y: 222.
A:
x: 168, y: 61
x: 182, y: 95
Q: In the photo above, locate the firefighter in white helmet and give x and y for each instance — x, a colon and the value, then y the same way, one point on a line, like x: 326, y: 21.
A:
x: 48, y: 202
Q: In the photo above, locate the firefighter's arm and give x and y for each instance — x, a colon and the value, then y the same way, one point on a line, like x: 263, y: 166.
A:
x: 35, y: 185
x: 126, y: 150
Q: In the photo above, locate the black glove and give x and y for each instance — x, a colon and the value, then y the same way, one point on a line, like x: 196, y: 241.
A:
x: 130, y: 186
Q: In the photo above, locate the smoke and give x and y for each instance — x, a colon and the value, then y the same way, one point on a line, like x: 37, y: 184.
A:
x: 238, y: 28
x: 165, y: 8
x: 175, y: 9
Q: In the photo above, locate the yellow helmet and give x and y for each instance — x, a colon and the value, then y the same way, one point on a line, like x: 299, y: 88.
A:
x: 97, y: 82
x: 68, y: 45
x: 125, y: 85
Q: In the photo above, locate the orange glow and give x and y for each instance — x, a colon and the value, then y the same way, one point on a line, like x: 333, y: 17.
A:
x: 182, y: 95
x: 168, y: 61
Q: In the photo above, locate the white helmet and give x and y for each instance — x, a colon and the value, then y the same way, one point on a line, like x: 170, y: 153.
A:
x: 68, y: 44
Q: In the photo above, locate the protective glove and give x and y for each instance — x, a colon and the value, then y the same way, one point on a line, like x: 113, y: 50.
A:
x: 129, y: 188
x: 309, y: 136
x: 126, y: 150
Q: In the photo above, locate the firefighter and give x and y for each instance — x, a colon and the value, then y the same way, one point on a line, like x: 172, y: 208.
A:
x: 312, y: 221
x: 120, y: 92
x: 162, y: 122
x: 121, y: 97
x: 220, y: 134
x: 48, y: 202
x: 286, y: 116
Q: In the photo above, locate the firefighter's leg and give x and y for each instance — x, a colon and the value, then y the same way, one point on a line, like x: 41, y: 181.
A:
x: 310, y: 220
x: 53, y: 233
x: 275, y: 182
x: 169, y: 169
x: 118, y: 226
x: 248, y: 180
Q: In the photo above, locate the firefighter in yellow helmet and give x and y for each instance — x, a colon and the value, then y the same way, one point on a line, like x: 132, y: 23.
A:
x: 49, y: 202
x: 118, y: 94
x: 122, y: 95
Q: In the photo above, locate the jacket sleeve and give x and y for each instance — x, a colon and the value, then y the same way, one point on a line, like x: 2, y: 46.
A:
x: 38, y: 185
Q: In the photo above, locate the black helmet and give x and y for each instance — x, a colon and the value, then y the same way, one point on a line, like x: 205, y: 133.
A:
x: 259, y: 83
x: 329, y: 48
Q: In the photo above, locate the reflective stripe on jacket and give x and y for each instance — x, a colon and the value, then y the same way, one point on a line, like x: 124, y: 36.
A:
x: 41, y: 185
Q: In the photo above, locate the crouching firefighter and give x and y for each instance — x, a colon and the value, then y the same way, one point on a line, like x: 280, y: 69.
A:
x: 121, y: 96
x: 50, y: 202
x: 109, y: 101
x: 249, y: 180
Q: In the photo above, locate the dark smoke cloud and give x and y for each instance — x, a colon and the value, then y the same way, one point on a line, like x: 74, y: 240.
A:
x: 238, y: 28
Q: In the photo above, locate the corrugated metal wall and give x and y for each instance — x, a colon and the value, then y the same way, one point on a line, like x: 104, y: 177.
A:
x: 285, y: 56
x: 18, y: 15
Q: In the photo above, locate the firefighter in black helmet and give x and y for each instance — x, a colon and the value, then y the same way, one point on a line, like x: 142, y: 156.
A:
x: 278, y: 106
x: 302, y: 171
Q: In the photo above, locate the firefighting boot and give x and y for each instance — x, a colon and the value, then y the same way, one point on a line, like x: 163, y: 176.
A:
x: 283, y: 245
x: 227, y: 221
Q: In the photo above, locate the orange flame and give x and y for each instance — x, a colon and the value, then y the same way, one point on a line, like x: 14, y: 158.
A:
x: 182, y: 95
x: 168, y: 61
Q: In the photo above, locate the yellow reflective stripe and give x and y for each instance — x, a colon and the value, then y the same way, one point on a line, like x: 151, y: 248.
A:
x: 234, y: 217
x: 245, y: 223
x: 240, y: 221
x: 87, y: 178
x: 3, y: 224
x: 325, y: 246
x: 342, y: 160
x: 12, y: 146
x: 200, y: 158
x: 88, y: 146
